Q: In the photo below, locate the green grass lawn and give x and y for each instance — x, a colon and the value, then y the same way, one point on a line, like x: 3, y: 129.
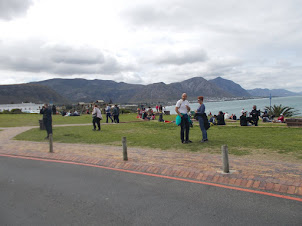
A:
x: 165, y: 136
x: 13, y: 120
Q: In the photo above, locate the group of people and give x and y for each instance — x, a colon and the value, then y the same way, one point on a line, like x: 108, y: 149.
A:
x: 250, y: 120
x: 255, y: 115
x: 97, y: 115
x: 149, y: 114
x: 217, y: 119
x: 146, y: 114
x: 112, y: 111
x: 245, y: 120
x: 70, y: 113
x: 182, y: 109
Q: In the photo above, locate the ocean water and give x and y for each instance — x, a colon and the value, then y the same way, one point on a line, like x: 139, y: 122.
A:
x: 235, y: 106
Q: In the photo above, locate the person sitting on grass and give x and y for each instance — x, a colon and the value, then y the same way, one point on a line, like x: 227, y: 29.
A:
x: 265, y: 117
x: 280, y: 119
x: 220, y: 118
x: 244, y: 120
x: 213, y: 120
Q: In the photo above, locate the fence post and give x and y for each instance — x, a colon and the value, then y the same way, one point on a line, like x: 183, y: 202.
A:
x: 125, y: 155
x: 50, y: 143
x: 225, y: 158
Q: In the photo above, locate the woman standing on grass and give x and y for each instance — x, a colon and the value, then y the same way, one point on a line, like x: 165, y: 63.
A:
x: 202, y: 119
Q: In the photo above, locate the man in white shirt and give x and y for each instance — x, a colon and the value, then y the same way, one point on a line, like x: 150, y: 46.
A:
x: 182, y: 108
x: 97, y: 116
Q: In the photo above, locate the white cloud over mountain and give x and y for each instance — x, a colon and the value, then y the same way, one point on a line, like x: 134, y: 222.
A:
x: 256, y: 44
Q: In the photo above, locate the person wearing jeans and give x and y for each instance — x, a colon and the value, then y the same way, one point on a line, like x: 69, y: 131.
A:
x: 97, y: 116
x: 182, y: 107
x: 108, y: 113
x: 201, y: 116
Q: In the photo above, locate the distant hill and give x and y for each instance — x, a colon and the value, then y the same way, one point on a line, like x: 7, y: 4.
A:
x: 90, y: 90
x: 273, y: 92
x: 199, y: 86
x: 230, y: 87
x: 82, y: 90
x: 29, y: 93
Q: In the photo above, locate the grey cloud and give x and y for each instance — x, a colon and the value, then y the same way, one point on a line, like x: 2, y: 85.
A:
x: 238, y: 19
x: 68, y: 55
x: 10, y: 9
x: 184, y: 57
x: 57, y: 59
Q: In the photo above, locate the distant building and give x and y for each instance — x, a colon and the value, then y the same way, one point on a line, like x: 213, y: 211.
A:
x: 24, y: 107
x: 100, y: 101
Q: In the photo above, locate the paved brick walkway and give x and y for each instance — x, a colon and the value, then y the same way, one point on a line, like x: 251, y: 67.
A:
x: 270, y: 176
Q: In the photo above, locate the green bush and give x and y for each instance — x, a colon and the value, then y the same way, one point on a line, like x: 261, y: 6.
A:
x: 123, y: 111
x: 6, y: 112
x: 16, y: 111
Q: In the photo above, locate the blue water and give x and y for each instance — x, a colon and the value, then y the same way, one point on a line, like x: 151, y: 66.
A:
x: 235, y: 106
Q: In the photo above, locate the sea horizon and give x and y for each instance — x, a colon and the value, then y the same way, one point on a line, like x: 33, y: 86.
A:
x: 236, y: 106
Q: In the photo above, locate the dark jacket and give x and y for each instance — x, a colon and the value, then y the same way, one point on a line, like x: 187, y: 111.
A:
x: 220, y: 119
x: 116, y: 111
x: 243, y: 120
x: 255, y: 114
x: 46, y: 113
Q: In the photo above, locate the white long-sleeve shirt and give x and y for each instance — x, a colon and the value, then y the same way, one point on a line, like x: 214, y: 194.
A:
x: 97, y: 112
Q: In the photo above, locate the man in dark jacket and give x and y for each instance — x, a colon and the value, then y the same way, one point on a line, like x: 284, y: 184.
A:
x: 116, y: 113
x: 255, y: 115
x: 47, y: 120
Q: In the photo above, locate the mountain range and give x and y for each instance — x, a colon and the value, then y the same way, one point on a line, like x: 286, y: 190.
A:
x: 61, y: 91
x: 29, y: 93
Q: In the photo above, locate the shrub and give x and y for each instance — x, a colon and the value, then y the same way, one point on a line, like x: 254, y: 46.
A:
x: 277, y: 110
x: 16, y: 111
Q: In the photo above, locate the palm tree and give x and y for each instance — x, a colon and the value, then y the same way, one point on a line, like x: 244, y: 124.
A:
x: 277, y: 110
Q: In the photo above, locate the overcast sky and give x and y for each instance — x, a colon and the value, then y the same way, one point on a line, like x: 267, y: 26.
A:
x: 257, y: 44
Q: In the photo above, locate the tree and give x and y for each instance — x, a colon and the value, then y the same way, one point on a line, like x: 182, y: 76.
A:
x: 277, y: 110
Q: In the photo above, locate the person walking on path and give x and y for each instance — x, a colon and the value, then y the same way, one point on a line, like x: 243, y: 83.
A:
x: 116, y: 113
x: 108, y: 113
x: 97, y: 116
x: 255, y: 115
x: 202, y: 118
x: 47, y: 119
x: 182, y: 108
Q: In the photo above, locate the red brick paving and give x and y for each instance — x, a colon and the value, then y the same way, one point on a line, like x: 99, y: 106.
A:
x: 269, y: 176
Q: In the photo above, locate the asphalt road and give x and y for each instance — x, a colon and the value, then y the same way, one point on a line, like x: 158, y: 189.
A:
x: 47, y: 193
